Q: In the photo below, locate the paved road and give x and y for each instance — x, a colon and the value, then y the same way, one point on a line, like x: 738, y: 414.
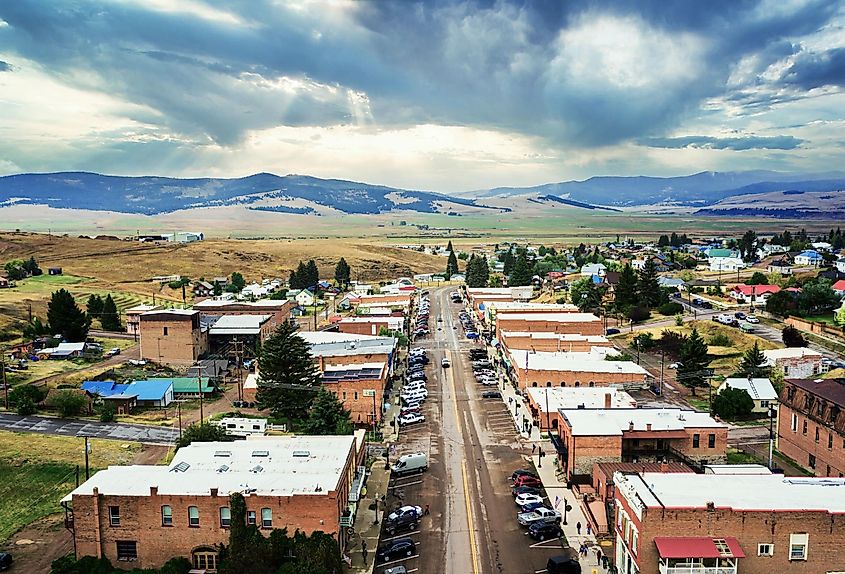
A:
x: 95, y: 429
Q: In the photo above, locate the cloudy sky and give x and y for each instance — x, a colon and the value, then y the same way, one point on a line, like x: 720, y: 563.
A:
x: 443, y: 95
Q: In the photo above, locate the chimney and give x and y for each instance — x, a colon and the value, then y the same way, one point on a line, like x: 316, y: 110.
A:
x: 631, y: 426
x: 153, y: 491
x: 664, y: 467
x: 648, y: 426
x: 607, y: 400
x: 213, y: 493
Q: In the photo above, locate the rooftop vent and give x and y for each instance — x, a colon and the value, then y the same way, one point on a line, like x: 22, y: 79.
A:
x: 222, y: 453
x: 302, y: 453
x: 257, y: 468
x: 181, y: 467
x: 223, y: 468
x: 261, y: 453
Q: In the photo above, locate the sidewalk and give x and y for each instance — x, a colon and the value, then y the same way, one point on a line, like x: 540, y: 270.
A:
x: 366, y: 527
x: 559, y: 495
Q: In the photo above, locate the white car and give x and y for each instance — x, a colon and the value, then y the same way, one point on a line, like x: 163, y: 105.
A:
x: 523, y: 499
x: 415, y: 394
x: 674, y: 365
x: 137, y: 362
x: 410, y: 418
x: 752, y: 319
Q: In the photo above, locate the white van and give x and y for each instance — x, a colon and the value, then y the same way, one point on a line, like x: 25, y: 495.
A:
x: 410, y: 464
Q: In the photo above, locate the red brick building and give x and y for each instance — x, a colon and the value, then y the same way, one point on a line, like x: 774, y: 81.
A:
x: 141, y: 516
x: 728, y: 524
x: 811, y: 427
x: 546, y: 403
x: 572, y: 323
x: 551, y: 342
x: 529, y: 369
x: 279, y: 311
x: 173, y: 336
x: 589, y: 436
x: 360, y: 387
x: 370, y: 325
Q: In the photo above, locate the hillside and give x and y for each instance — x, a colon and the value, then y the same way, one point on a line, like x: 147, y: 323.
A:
x: 790, y: 204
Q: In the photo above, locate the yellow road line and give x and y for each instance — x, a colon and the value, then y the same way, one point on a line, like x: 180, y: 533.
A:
x: 470, y: 521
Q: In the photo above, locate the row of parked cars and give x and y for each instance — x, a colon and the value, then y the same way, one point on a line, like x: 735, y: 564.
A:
x: 403, y: 519
x: 421, y: 326
x: 542, y: 522
x: 414, y: 391
x: 469, y: 325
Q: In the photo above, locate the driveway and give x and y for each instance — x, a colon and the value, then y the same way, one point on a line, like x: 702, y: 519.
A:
x: 95, y: 429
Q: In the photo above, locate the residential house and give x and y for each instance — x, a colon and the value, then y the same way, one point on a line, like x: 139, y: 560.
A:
x: 113, y: 394
x: 588, y: 436
x: 141, y: 516
x: 672, y: 283
x: 782, y: 266
x: 839, y: 287
x: 151, y: 392
x: 49, y: 401
x: 203, y: 289
x: 752, y: 294
x: 809, y: 258
x: 727, y: 524
x: 724, y: 260
x: 760, y: 390
x: 188, y: 387
x: 591, y: 269
x: 303, y: 297
x: 840, y: 265
x: 255, y: 291
x: 63, y: 351
x: 812, y: 424
x: 795, y: 362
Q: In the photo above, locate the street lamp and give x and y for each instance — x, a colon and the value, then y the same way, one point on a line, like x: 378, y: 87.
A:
x: 771, y: 434
x: 566, y: 508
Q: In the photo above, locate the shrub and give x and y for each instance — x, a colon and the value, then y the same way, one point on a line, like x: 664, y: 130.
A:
x: 720, y: 340
x: 670, y: 308
x: 679, y: 320
x: 26, y: 392
x: 25, y: 407
x: 645, y: 341
x: 638, y: 313
x: 67, y: 403
x: 107, y: 413
x: 671, y: 342
x: 733, y: 403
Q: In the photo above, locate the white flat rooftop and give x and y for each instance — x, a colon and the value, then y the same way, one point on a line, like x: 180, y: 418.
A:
x: 592, y: 362
x: 276, y: 466
x: 515, y: 305
x: 758, y: 388
x: 737, y: 492
x: 238, y: 325
x: 574, y: 337
x: 572, y: 397
x: 142, y: 308
x: 550, y: 317
x: 324, y: 337
x: 612, y: 422
x: 789, y: 353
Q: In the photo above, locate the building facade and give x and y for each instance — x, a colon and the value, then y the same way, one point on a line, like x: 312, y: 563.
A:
x: 173, y: 336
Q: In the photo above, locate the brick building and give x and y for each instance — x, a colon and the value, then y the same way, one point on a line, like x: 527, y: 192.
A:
x: 141, y: 516
x: 591, y: 369
x: 173, y: 336
x: 133, y: 317
x: 348, y: 348
x: 551, y: 342
x: 360, y: 387
x: 573, y: 323
x: 795, y: 362
x: 728, y: 524
x: 370, y: 325
x: 811, y: 429
x: 279, y: 311
x: 587, y: 436
x: 545, y: 403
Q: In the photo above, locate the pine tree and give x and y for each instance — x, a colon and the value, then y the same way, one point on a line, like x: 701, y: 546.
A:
x: 753, y: 363
x: 66, y: 318
x: 299, y: 278
x: 509, y: 260
x: 327, y: 416
x: 289, y: 379
x: 478, y: 272
x: 342, y: 273
x: 451, y: 265
x: 94, y: 306
x: 626, y: 289
x: 693, y: 362
x: 647, y: 286
x: 110, y: 317
x: 449, y: 246
x: 312, y: 276
x: 237, y: 281
x: 522, y: 273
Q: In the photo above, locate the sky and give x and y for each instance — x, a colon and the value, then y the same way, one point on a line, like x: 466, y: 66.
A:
x: 441, y: 95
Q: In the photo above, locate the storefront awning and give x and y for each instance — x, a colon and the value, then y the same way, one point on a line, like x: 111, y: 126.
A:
x: 698, y: 547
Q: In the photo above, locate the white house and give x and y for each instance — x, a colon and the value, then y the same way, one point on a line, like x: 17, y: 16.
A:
x: 724, y: 260
x: 594, y: 269
x: 760, y: 390
x: 840, y: 264
x: 255, y: 290
x: 809, y: 257
x: 795, y: 362
x: 753, y: 293
x: 303, y: 298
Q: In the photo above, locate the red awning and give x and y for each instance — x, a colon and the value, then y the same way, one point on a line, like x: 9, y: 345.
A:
x: 697, y: 547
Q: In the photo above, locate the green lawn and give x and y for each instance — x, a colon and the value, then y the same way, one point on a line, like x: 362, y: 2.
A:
x: 740, y: 457
x: 827, y: 318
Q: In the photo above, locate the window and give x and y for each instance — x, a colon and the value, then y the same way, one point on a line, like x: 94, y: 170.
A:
x: 711, y: 441
x: 804, y: 428
x: 634, y: 543
x: 164, y: 331
x: 250, y: 517
x: 817, y: 434
x: 829, y: 440
x: 577, y: 383
x: 696, y: 440
x: 794, y: 422
x: 114, y: 515
x: 811, y: 462
x: 344, y: 395
x: 356, y: 395
x: 765, y: 550
x: 592, y: 384
x: 193, y: 516
x: 764, y: 404
x: 205, y: 559
x: 225, y: 517
x: 798, y: 546
x: 166, y: 516
x: 266, y: 518
x: 127, y: 550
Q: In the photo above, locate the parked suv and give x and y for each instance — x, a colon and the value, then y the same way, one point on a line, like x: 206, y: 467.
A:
x: 402, y: 519
x: 396, y: 549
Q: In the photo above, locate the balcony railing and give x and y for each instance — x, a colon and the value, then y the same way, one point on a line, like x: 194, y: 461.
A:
x: 697, y: 569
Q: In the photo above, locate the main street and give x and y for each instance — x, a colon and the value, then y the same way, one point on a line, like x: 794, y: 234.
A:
x: 473, y: 448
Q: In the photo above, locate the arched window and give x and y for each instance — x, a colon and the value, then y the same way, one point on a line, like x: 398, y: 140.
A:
x: 534, y: 384
x: 577, y: 383
x: 554, y: 423
x: 548, y: 383
x: 592, y: 384
x: 205, y: 558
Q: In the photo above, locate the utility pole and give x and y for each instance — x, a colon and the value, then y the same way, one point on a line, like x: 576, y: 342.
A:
x: 5, y: 385
x: 87, y: 450
x: 771, y: 434
x: 661, y: 373
x: 179, y: 414
x: 199, y: 388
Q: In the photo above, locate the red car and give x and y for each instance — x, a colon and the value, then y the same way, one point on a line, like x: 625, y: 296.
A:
x: 527, y: 480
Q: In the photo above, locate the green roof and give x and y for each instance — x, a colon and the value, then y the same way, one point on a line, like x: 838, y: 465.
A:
x: 721, y: 253
x: 185, y: 385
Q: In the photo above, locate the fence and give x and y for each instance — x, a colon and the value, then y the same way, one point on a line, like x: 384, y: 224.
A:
x: 816, y: 327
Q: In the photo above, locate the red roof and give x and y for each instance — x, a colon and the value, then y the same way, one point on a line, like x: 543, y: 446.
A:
x: 697, y: 547
x: 839, y: 285
x: 756, y: 289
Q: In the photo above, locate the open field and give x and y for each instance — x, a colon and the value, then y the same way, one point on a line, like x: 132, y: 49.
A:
x: 38, y: 470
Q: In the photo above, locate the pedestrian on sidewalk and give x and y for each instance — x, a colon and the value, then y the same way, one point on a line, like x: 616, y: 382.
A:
x: 605, y: 563
x: 578, y: 528
x: 364, y: 550
x: 598, y: 556
x: 510, y: 401
x: 589, y: 529
x: 427, y: 511
x: 533, y: 448
x: 583, y: 550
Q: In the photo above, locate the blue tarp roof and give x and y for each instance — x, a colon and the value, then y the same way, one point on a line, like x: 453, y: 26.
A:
x: 149, y: 390
x: 104, y: 388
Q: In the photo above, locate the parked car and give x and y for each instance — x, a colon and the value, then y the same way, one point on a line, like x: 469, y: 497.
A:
x: 562, y: 564
x: 445, y: 363
x: 739, y: 315
x: 401, y: 547
x: 523, y: 472
x: 410, y: 418
x: 523, y: 499
x: 410, y: 463
x: 541, y: 514
x: 528, y: 481
x: 113, y: 351
x: 472, y: 335
x: 402, y: 519
x: 545, y: 531
x: 5, y: 560
x: 491, y: 395
x: 137, y: 362
x: 752, y: 319
x: 517, y: 490
x: 611, y: 331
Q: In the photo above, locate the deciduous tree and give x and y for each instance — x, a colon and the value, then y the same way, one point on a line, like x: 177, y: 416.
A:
x: 733, y: 403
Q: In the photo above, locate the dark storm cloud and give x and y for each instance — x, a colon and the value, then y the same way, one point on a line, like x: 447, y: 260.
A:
x: 497, y: 64
x: 732, y: 143
x: 815, y: 70
x: 5, y: 66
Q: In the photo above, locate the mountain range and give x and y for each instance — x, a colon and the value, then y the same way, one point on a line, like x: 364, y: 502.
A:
x: 712, y: 192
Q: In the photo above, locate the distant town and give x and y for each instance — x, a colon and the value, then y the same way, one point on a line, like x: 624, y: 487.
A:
x: 629, y: 405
